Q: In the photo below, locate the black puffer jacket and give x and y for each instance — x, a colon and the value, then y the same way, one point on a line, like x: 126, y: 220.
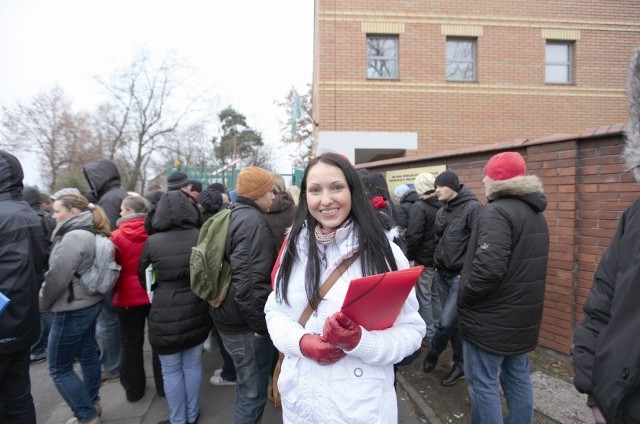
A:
x: 404, y: 208
x: 104, y: 178
x: 21, y: 260
x: 421, y: 231
x: 454, y: 223
x: 178, y: 319
x: 606, y: 352
x: 280, y: 216
x: 251, y: 251
x: 501, y: 291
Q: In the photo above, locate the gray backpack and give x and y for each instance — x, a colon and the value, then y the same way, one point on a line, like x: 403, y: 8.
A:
x: 104, y: 271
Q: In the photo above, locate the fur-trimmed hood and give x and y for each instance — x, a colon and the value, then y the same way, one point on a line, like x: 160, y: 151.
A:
x: 528, y: 188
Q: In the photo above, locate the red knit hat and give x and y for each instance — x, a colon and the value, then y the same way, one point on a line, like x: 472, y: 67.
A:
x: 505, y: 165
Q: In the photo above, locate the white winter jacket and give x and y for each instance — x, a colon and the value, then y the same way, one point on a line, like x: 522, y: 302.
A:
x: 359, y: 388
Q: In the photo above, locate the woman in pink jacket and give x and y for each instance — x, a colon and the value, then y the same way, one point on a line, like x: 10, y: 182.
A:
x: 130, y: 298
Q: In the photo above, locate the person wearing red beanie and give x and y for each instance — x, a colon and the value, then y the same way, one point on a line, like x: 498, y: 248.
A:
x: 501, y: 291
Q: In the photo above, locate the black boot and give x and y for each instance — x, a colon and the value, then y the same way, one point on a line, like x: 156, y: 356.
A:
x: 454, y: 375
x: 430, y: 362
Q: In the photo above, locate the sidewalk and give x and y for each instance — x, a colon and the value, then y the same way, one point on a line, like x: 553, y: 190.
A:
x: 217, y: 402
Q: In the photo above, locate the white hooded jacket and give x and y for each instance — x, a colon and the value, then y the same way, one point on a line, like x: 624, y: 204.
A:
x: 359, y: 388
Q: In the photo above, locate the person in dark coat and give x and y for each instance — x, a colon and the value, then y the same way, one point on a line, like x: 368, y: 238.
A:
x: 501, y: 293
x: 282, y: 211
x: 421, y: 245
x: 21, y: 268
x: 210, y: 203
x: 454, y: 222
x: 178, y: 322
x: 104, y: 179
x: 32, y: 196
x: 406, y: 201
x: 606, y: 353
x: 240, y: 320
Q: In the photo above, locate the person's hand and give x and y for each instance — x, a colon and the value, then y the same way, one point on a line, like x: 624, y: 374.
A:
x: 342, y: 331
x: 597, y: 415
x: 316, y: 348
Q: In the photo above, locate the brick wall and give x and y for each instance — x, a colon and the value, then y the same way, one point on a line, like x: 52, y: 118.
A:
x: 587, y: 190
x: 509, y: 99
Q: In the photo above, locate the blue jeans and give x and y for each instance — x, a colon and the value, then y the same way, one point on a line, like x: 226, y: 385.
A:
x: 182, y: 374
x: 252, y: 358
x: 40, y: 346
x: 16, y: 403
x: 73, y: 337
x: 428, y: 301
x: 481, y: 371
x: 108, y: 337
x: 447, y: 328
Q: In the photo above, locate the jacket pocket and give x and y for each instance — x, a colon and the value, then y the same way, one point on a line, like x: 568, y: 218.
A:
x: 356, y: 391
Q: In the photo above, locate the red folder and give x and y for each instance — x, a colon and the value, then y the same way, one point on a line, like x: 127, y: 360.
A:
x: 375, y: 301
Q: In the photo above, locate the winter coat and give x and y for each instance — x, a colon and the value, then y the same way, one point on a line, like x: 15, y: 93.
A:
x: 129, y: 239
x: 21, y: 261
x: 606, y: 353
x: 251, y: 251
x: 73, y: 251
x: 360, y: 387
x: 104, y: 179
x: 421, y: 230
x: 454, y: 222
x: 501, y: 289
x: 280, y: 216
x: 178, y: 319
x: 31, y: 195
x: 404, y: 208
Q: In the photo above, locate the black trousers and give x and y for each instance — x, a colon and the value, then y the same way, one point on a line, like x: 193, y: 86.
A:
x: 16, y: 403
x: 131, y: 323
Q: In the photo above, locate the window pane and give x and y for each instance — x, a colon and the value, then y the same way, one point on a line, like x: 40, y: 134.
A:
x: 459, y: 50
x: 460, y: 71
x: 381, y: 68
x: 557, y: 53
x: 557, y: 74
x: 381, y: 47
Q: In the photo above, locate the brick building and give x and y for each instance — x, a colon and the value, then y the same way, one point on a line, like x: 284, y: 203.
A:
x: 587, y: 188
x: 399, y: 77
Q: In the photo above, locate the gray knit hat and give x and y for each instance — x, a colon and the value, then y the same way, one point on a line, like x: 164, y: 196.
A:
x: 177, y: 180
x: 63, y: 191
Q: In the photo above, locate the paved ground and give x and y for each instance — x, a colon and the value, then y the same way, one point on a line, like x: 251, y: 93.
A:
x: 216, y: 406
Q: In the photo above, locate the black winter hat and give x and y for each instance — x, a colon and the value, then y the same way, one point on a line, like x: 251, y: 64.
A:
x: 196, y: 186
x: 210, y: 200
x: 177, y: 180
x: 448, y: 179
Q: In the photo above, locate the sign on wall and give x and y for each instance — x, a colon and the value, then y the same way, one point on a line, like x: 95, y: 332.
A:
x: 407, y: 176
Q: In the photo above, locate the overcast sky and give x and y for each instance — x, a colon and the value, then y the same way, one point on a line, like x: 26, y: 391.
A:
x: 249, y: 52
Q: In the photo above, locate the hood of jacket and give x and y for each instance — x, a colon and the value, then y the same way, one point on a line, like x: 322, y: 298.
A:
x: 411, y: 196
x: 82, y: 221
x: 527, y: 188
x: 102, y: 175
x: 11, y: 177
x: 132, y: 227
x: 281, y: 202
x: 175, y: 212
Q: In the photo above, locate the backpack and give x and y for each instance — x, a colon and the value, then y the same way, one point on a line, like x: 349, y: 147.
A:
x: 104, y: 271
x: 209, y: 271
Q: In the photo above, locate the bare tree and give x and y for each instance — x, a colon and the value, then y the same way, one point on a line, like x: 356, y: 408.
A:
x: 297, y: 129
x: 47, y: 126
x: 144, y: 107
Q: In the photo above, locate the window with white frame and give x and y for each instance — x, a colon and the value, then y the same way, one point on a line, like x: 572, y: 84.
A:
x: 558, y: 63
x: 382, y: 57
x: 461, y: 59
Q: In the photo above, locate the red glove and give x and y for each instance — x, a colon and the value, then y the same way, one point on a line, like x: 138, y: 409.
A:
x: 316, y: 348
x: 342, y: 331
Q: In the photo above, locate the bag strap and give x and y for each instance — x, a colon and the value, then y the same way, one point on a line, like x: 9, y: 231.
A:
x: 326, y: 286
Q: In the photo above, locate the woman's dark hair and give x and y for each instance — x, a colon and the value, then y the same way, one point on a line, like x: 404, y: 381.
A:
x: 375, y: 251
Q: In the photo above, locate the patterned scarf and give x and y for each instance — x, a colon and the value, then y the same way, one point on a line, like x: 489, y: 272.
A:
x: 324, y: 237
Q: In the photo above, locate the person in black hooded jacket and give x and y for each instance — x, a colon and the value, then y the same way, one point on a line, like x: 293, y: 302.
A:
x: 501, y: 292
x: 179, y: 321
x: 21, y: 267
x: 104, y: 179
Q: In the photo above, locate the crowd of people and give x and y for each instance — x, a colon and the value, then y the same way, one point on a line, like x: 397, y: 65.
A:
x: 292, y: 255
